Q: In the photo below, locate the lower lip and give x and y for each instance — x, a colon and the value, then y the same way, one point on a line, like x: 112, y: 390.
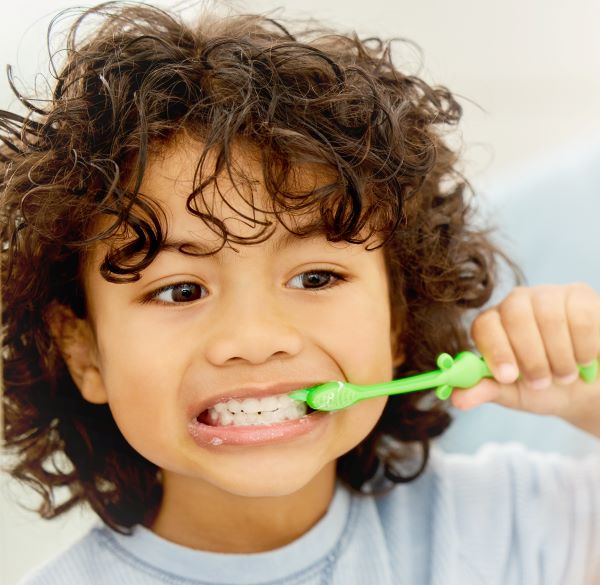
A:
x: 211, y: 436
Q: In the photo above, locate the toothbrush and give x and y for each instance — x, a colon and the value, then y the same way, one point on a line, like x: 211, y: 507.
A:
x: 462, y: 371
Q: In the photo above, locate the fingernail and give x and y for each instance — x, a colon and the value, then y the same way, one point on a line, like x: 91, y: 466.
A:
x: 539, y: 383
x: 507, y: 373
x: 566, y: 380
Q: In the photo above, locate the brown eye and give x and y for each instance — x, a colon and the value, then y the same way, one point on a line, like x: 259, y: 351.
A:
x: 183, y: 292
x: 317, y: 279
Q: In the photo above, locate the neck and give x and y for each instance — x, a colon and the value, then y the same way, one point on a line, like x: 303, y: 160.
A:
x: 199, y: 515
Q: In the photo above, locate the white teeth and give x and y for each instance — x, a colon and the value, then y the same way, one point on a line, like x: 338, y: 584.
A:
x: 232, y: 406
x: 251, y: 405
x: 266, y: 418
x: 220, y: 408
x: 270, y: 403
x: 256, y: 411
x: 291, y: 412
x: 241, y: 418
x: 226, y: 418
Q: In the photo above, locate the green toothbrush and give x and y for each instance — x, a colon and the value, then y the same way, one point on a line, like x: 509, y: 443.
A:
x: 462, y: 371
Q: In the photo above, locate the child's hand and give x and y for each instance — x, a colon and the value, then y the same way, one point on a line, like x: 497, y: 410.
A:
x: 532, y: 342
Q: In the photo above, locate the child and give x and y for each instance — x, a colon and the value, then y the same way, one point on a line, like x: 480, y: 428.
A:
x: 203, y: 219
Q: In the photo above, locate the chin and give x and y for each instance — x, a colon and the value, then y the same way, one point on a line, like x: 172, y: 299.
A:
x: 268, y: 480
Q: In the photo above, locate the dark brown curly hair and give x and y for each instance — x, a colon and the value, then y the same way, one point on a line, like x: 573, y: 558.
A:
x: 312, y: 96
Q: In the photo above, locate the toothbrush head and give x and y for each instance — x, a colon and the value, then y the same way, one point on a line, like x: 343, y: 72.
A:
x: 328, y: 396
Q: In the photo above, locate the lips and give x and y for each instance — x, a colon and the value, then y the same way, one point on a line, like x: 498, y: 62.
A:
x: 197, y: 410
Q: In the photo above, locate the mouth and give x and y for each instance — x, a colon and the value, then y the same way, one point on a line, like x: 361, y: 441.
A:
x: 254, y: 411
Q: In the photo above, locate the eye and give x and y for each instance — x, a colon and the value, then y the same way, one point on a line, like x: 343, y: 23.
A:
x: 182, y: 292
x: 187, y: 292
x: 318, y: 279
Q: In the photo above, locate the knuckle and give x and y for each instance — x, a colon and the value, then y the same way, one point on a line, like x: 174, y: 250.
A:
x: 583, y: 305
x: 483, y: 322
x: 515, y: 307
x: 518, y: 292
x: 582, y: 288
x: 546, y: 295
x: 547, y: 299
x: 549, y: 318
x: 582, y: 324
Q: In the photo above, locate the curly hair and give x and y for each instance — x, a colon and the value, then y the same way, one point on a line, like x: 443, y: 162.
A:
x: 313, y: 96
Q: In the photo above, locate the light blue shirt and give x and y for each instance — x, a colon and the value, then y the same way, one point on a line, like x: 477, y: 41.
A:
x: 502, y: 517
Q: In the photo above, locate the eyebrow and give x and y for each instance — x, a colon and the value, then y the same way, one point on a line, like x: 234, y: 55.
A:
x: 310, y: 231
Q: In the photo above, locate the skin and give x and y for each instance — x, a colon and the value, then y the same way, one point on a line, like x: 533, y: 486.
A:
x: 256, y: 322
x: 533, y: 341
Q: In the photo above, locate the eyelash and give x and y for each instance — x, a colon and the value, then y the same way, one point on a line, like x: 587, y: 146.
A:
x: 152, y: 296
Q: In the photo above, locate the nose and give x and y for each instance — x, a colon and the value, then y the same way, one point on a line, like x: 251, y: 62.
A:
x: 253, y: 327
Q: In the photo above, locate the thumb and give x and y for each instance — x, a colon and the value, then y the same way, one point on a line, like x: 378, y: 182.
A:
x: 487, y: 390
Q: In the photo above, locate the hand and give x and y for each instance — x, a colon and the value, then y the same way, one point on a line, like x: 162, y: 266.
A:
x: 533, y: 341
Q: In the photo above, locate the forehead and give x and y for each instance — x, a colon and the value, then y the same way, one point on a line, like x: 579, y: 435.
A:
x: 235, y: 208
x: 237, y: 199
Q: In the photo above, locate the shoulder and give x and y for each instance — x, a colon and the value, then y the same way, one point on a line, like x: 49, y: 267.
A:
x: 526, y: 511
x: 503, y: 508
x: 495, y: 470
x: 508, y: 486
x: 82, y: 562
x: 507, y: 470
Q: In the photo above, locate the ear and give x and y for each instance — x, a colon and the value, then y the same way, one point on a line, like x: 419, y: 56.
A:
x: 397, y: 344
x: 399, y: 356
x: 76, y: 342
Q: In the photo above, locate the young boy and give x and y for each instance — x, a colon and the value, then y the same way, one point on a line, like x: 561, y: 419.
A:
x: 204, y: 219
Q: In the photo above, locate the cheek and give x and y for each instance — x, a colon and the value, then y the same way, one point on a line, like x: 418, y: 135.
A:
x: 356, y: 334
x: 369, y: 354
x: 134, y: 359
x: 365, y: 414
x: 142, y: 392
x: 357, y: 422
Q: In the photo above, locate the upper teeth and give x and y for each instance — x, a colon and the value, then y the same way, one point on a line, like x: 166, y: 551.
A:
x: 254, y: 405
x: 256, y: 411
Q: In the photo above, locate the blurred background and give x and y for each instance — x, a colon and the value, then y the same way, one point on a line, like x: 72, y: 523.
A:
x: 528, y: 77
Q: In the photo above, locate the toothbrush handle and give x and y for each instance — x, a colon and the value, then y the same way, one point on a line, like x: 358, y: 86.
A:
x: 462, y: 371
x: 424, y: 381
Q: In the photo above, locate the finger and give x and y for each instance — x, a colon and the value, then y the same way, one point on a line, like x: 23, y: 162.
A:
x: 485, y: 391
x: 519, y: 322
x: 493, y: 344
x: 583, y: 317
x: 517, y: 396
x: 520, y: 396
x: 549, y: 307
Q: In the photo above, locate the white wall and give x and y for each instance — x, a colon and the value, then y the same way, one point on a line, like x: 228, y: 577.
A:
x: 532, y: 66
